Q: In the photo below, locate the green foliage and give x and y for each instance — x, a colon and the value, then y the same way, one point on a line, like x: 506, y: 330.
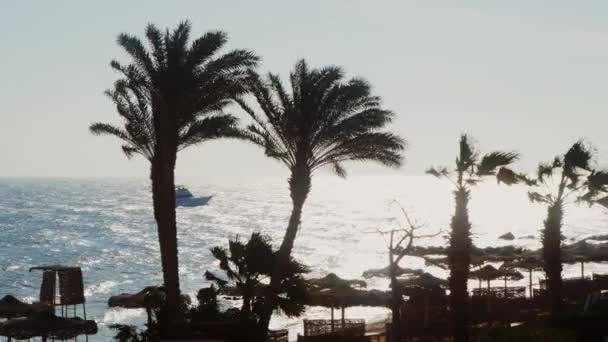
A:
x: 470, y: 170
x: 174, y: 91
x: 247, y: 266
x: 569, y: 175
x: 323, y: 120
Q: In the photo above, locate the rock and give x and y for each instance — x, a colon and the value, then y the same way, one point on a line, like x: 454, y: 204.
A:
x: 507, y: 236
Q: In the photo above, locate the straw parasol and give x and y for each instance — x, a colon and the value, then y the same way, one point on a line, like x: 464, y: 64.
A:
x: 385, y: 272
x: 425, y: 281
x: 332, y: 291
x: 531, y: 263
x: 509, y: 273
x: 11, y: 307
x: 487, y: 273
x: 333, y: 281
x: 47, y: 325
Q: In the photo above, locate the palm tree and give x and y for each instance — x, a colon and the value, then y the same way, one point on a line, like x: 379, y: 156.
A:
x: 171, y: 96
x: 470, y: 170
x: 248, y: 265
x: 322, y: 121
x: 570, y: 176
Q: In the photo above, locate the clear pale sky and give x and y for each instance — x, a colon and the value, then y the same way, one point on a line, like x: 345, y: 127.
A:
x: 530, y: 76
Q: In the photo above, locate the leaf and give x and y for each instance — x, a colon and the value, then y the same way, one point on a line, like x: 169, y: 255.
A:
x: 544, y: 170
x: 538, y: 197
x: 212, y: 277
x: 438, y: 171
x: 467, y: 156
x: 495, y: 159
x: 578, y: 156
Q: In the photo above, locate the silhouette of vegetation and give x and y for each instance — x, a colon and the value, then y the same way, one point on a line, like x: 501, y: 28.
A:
x: 170, y: 96
x: 569, y: 176
x: 322, y: 121
x: 248, y: 266
x: 471, y: 169
x: 400, y: 243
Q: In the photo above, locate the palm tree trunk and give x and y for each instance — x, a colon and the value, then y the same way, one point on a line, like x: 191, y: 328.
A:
x: 459, y: 258
x: 163, y: 194
x: 551, y: 238
x: 299, y: 186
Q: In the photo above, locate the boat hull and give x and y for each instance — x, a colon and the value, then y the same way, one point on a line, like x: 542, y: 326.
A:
x: 192, y: 201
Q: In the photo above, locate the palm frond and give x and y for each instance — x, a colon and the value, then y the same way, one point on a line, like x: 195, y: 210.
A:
x: 578, y: 156
x: 544, y: 171
x: 493, y: 160
x: 209, y: 128
x: 438, y: 171
x: 467, y: 155
x: 538, y: 197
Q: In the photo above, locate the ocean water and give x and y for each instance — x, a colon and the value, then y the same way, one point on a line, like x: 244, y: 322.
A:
x: 106, y: 226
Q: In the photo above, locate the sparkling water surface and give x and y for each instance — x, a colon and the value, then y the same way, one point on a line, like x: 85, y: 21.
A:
x: 106, y: 226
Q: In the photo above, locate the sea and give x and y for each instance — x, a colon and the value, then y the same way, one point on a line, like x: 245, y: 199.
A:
x: 106, y: 226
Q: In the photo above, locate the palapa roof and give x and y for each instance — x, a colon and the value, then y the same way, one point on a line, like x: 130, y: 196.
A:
x: 13, y: 307
x: 488, y: 272
x: 331, y: 281
x: 385, y: 272
x: 425, y: 280
x: 347, y: 296
x: 47, y: 324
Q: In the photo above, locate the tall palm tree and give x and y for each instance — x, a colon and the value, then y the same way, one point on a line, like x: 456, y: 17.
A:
x: 170, y: 96
x: 569, y: 176
x: 470, y: 170
x: 322, y: 121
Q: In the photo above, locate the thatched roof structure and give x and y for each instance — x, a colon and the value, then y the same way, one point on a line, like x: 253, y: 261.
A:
x: 385, y: 272
x: 12, y: 307
x: 332, y: 281
x: 488, y: 272
x: 347, y: 297
x: 425, y: 280
x: 47, y: 325
x: 149, y: 297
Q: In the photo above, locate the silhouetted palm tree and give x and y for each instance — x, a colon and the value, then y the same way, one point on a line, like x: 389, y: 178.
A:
x: 171, y: 96
x: 470, y: 170
x: 568, y: 176
x: 322, y: 121
x: 248, y: 265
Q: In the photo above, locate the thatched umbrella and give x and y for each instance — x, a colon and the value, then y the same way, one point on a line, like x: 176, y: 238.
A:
x: 11, y: 307
x: 425, y: 282
x: 336, y: 292
x: 46, y: 325
x: 509, y: 273
x: 385, y: 272
x: 530, y: 264
x: 487, y: 273
x: 150, y: 297
x: 333, y: 281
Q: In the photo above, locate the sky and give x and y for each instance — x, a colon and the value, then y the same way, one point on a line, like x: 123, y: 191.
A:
x: 528, y: 76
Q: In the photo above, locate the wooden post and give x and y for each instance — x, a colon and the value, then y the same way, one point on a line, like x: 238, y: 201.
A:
x: 332, y: 319
x: 343, y: 322
x: 530, y: 270
x: 582, y: 270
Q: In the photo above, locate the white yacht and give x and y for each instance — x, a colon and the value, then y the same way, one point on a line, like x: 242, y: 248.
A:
x: 184, y: 198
